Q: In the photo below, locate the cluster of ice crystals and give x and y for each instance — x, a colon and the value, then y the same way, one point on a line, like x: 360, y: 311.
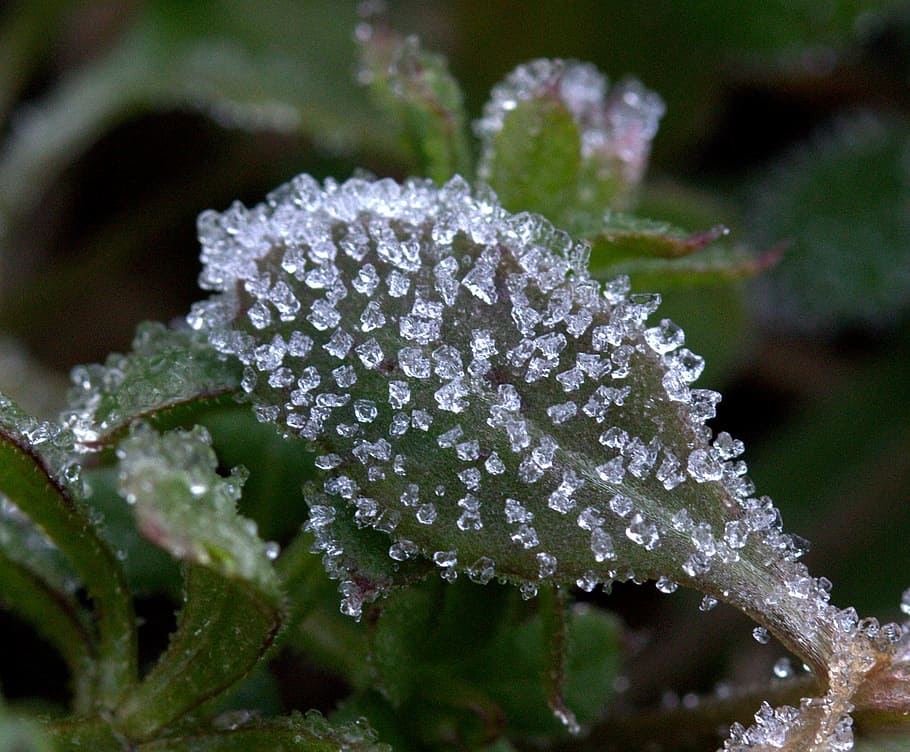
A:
x: 616, y: 126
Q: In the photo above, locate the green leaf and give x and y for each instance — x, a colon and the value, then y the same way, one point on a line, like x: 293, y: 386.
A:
x: 518, y: 661
x: 843, y: 206
x: 718, y: 264
x: 416, y: 90
x: 616, y: 237
x: 169, y: 376
x: 148, y: 568
x: 232, y: 604
x: 461, y: 651
x: 271, y: 495
x: 657, y: 255
x: 536, y: 159
x: 38, y: 476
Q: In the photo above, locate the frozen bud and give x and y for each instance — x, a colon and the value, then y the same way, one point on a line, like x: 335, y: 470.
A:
x: 614, y: 126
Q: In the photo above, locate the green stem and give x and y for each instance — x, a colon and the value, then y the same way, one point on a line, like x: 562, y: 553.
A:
x: 57, y: 619
x: 27, y: 482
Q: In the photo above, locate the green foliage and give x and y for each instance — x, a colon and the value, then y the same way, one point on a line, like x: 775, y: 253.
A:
x: 129, y: 501
x: 842, y: 202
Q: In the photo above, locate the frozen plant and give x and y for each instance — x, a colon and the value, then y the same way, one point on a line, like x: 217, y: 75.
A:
x: 461, y: 398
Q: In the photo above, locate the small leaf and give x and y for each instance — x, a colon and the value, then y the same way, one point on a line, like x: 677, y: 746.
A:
x: 717, y: 264
x: 584, y: 146
x: 232, y: 603
x: 520, y: 658
x: 617, y: 237
x: 38, y: 476
x: 425, y: 102
x: 656, y: 255
x: 167, y: 375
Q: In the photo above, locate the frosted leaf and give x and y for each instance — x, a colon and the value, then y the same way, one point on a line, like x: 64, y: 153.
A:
x: 615, y: 127
x: 441, y: 340
x: 190, y: 510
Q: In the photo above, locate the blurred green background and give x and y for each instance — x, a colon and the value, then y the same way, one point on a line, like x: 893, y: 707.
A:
x: 787, y: 120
